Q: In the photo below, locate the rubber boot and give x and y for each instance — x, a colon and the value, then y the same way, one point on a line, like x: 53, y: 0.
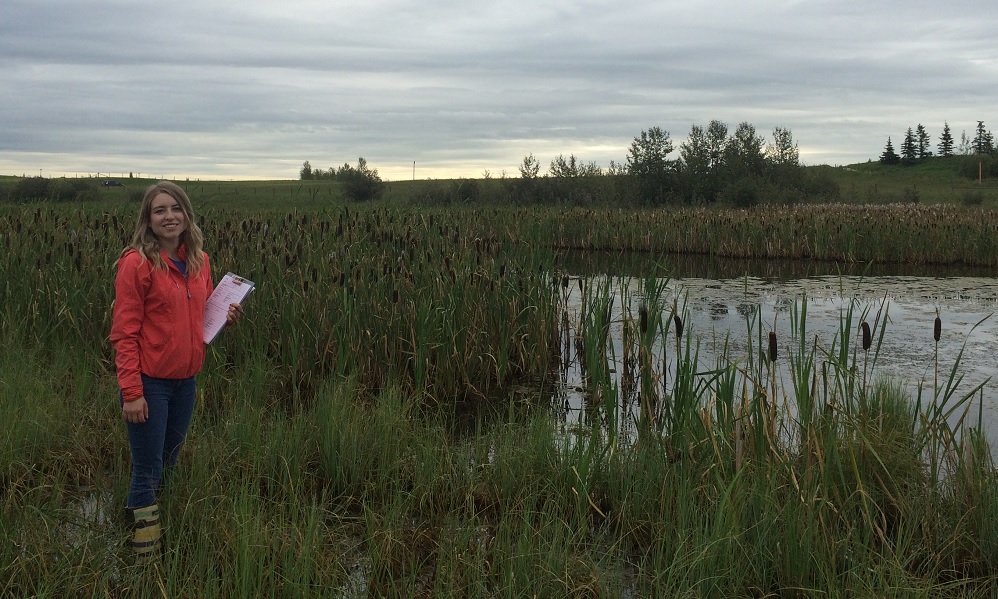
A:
x: 146, y: 533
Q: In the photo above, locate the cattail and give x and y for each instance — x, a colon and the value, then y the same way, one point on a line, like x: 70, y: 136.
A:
x: 679, y: 326
x: 564, y: 282
x: 772, y: 346
x: 937, y: 329
x: 867, y: 336
x: 643, y: 312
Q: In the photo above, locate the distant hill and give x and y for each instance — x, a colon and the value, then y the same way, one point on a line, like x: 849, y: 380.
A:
x: 930, y: 180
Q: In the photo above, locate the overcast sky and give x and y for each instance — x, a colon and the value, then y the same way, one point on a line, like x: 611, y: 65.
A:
x: 238, y: 89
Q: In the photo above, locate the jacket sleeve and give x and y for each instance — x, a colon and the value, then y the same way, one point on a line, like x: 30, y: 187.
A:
x: 126, y: 324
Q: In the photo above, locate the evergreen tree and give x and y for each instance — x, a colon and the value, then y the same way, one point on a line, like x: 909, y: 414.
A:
x: 909, y: 148
x: 945, y: 146
x: 984, y: 142
x: 923, y: 140
x: 889, y: 156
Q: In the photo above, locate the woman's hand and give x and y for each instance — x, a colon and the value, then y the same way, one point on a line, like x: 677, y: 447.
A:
x: 235, y: 313
x: 135, y: 411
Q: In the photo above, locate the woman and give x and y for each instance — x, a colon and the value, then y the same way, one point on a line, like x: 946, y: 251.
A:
x: 162, y: 285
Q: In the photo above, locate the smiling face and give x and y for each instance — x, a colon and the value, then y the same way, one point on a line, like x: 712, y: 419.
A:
x: 167, y: 220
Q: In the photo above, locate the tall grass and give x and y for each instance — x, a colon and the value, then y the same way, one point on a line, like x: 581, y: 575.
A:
x: 328, y: 458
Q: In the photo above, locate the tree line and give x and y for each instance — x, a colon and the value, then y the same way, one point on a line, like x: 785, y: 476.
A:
x: 738, y: 167
x: 916, y: 145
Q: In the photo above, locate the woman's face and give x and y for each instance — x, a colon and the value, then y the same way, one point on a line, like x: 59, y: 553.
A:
x: 166, y: 218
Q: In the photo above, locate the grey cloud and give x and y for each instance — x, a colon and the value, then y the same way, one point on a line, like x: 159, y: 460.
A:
x: 255, y: 87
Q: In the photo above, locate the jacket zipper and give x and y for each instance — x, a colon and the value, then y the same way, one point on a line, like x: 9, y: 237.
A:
x: 190, y: 312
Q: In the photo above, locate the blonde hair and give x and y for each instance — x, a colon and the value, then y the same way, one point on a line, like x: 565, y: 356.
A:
x: 145, y: 242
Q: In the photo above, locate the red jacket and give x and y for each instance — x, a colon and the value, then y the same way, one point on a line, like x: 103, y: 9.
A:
x: 158, y: 321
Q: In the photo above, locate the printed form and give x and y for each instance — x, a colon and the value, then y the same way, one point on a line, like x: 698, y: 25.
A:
x: 232, y: 289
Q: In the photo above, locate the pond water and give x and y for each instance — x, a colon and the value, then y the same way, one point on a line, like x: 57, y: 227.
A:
x: 719, y: 295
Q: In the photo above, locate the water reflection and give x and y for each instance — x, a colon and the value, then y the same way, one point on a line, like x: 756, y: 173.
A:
x: 720, y: 297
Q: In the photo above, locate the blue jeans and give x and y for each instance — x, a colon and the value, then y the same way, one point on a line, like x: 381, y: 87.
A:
x: 156, y: 442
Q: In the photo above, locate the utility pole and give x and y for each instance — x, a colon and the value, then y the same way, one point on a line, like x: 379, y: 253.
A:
x: 413, y: 170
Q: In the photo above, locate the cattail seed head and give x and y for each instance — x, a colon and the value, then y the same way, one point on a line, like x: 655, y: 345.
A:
x: 772, y: 346
x: 679, y: 325
x: 867, y: 336
x: 643, y: 312
x: 937, y: 329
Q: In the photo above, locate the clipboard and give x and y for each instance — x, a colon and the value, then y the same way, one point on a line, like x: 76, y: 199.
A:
x: 232, y: 289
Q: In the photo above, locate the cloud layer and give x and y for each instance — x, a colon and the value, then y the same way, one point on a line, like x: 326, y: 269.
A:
x: 251, y: 89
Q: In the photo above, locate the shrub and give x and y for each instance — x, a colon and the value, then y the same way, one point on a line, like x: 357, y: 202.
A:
x: 741, y: 194
x: 360, y: 183
x: 972, y: 198
x: 910, y: 196
x: 68, y: 190
x: 31, y: 188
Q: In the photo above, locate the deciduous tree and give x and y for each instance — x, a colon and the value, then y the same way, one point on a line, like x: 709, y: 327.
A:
x: 648, y: 161
x: 783, y: 152
x: 744, y: 152
x: 649, y: 153
x: 530, y: 168
x: 571, y: 167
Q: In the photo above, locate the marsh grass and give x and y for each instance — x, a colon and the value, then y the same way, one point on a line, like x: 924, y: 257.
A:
x: 325, y: 458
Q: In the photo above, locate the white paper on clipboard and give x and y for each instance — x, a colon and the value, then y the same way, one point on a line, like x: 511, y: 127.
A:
x: 232, y: 289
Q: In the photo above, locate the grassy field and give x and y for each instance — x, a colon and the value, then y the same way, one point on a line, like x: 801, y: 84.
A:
x: 933, y: 181
x: 930, y: 181
x: 381, y: 424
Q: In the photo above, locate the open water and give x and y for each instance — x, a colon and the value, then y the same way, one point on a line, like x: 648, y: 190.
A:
x: 718, y: 296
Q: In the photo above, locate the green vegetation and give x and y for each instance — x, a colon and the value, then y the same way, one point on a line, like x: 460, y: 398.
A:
x: 379, y: 424
x: 360, y: 183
